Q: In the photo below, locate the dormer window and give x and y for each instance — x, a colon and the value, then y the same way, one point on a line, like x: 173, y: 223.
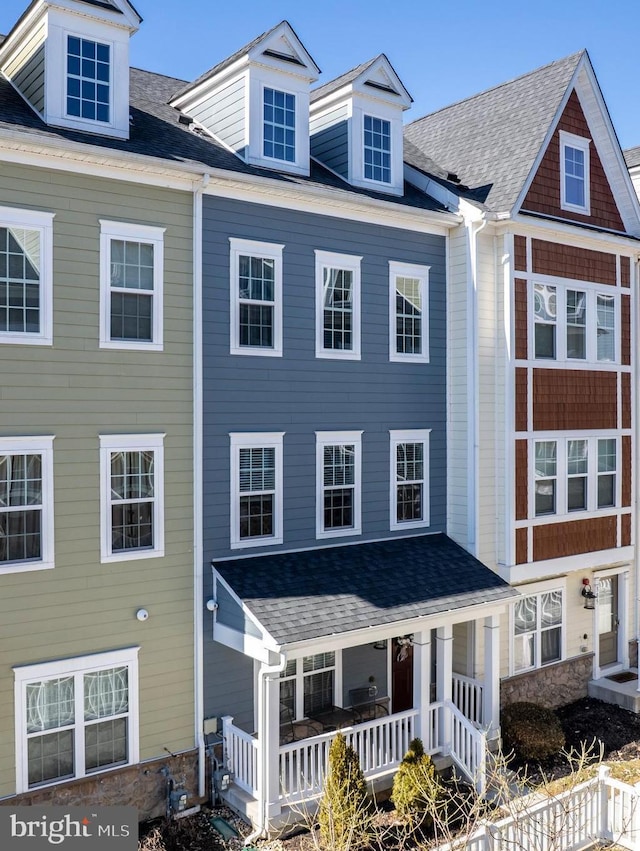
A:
x: 574, y: 173
x: 88, y: 79
x: 279, y: 127
x: 377, y: 149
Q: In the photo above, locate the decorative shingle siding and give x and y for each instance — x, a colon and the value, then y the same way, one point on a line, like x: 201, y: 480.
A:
x: 557, y: 540
x: 520, y: 253
x: 626, y: 470
x: 544, y: 193
x: 522, y: 476
x: 521, y: 399
x: 574, y: 399
x: 625, y: 271
x: 573, y: 261
x: 521, y: 319
x: 626, y: 399
x: 625, y: 532
x: 522, y: 536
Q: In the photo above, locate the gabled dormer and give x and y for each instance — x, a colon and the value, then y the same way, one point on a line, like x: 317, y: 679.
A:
x: 69, y: 60
x: 257, y: 101
x: 356, y: 126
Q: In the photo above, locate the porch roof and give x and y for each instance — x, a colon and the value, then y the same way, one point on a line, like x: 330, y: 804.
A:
x: 329, y: 591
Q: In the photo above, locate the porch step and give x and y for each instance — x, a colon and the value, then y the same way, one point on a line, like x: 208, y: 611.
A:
x: 242, y: 803
x: 624, y: 694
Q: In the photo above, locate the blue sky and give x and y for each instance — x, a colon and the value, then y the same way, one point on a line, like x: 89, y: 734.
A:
x: 443, y: 50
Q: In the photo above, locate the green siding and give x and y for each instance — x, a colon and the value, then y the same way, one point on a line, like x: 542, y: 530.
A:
x: 76, y: 391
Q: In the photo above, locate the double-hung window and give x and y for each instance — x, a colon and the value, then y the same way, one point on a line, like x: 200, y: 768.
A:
x: 575, y: 474
x: 88, y: 79
x: 537, y: 630
x: 279, y: 125
x: 132, y: 496
x: 26, y: 503
x: 131, y: 284
x: 574, y: 323
x: 308, y: 685
x: 338, y: 483
x: 377, y: 149
x: 256, y: 298
x: 409, y: 504
x: 256, y: 489
x: 337, y: 305
x: 76, y: 717
x: 574, y: 173
x: 26, y: 277
x: 408, y: 312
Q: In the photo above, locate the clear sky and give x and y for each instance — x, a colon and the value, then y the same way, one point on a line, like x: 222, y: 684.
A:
x: 443, y: 50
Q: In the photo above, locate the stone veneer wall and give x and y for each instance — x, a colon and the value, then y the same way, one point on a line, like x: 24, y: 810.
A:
x: 143, y: 786
x: 552, y: 686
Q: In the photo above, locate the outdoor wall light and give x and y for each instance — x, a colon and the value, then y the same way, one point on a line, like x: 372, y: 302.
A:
x: 589, y: 597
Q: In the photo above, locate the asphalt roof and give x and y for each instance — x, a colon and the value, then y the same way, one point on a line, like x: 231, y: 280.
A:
x: 632, y: 156
x: 338, y: 82
x: 491, y: 140
x: 314, y: 594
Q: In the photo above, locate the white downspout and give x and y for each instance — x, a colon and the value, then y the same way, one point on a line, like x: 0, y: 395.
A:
x: 264, y: 672
x: 198, y: 619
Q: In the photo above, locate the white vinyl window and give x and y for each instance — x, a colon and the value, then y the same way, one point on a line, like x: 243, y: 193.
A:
x: 574, y: 173
x: 76, y: 717
x: 337, y: 305
x: 574, y: 323
x: 409, y: 469
x: 132, y: 496
x: 575, y: 474
x: 377, y: 149
x: 256, y: 298
x: 26, y: 504
x: 26, y: 277
x: 308, y: 685
x: 279, y: 125
x: 88, y: 79
x: 131, y: 286
x: 256, y: 489
x: 338, y: 483
x: 408, y: 312
x: 537, y: 630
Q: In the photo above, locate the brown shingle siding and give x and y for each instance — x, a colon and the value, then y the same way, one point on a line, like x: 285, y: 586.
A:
x: 625, y: 271
x: 522, y: 546
x: 625, y: 530
x: 520, y: 253
x: 521, y: 318
x: 571, y: 261
x: 625, y: 331
x: 626, y: 470
x: 570, y: 399
x: 521, y: 400
x: 522, y: 480
x: 626, y: 399
x: 557, y: 540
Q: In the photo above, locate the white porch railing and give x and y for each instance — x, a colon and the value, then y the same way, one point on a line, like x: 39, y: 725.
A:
x: 468, y: 696
x: 468, y: 748
x: 241, y: 756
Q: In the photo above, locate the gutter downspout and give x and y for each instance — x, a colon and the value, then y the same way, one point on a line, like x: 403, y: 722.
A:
x: 473, y: 377
x: 198, y: 615
x: 264, y: 672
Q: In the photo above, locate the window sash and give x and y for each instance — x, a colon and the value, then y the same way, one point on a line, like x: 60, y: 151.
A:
x: 377, y: 149
x: 21, y: 507
x: 88, y: 77
x: 538, y: 621
x: 132, y: 496
x: 279, y: 125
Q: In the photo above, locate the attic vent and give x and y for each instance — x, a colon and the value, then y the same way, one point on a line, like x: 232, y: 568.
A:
x: 185, y: 119
x: 453, y: 177
x: 380, y: 86
x: 284, y: 56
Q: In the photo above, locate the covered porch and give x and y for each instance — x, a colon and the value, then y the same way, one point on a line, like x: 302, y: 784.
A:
x: 359, y: 651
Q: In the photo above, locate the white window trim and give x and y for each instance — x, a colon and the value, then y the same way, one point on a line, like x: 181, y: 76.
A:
x: 545, y: 588
x: 262, y: 440
x: 350, y: 263
x: 299, y: 675
x: 131, y: 443
x: 408, y: 270
x: 269, y: 251
x: 91, y: 124
x: 274, y: 161
x: 369, y: 181
x: 591, y: 350
x: 131, y: 233
x: 42, y: 222
x: 42, y: 446
x: 335, y: 438
x: 569, y: 140
x: 562, y: 477
x: 396, y: 437
x: 66, y: 667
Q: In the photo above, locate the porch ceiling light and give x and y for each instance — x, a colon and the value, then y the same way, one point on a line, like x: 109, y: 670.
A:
x: 589, y: 596
x: 380, y: 645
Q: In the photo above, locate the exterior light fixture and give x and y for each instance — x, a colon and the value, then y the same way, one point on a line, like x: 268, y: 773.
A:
x: 380, y: 645
x: 589, y: 596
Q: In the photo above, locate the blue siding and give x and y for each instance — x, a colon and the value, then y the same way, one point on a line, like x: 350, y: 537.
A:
x: 330, y: 140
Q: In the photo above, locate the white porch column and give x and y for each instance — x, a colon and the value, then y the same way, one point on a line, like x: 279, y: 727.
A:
x: 421, y: 678
x: 444, y: 671
x: 270, y: 745
x: 491, y: 693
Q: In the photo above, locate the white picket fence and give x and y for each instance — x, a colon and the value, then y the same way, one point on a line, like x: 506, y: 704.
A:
x: 601, y: 810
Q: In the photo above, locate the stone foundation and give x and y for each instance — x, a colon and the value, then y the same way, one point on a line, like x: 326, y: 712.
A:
x: 552, y: 686
x: 143, y: 786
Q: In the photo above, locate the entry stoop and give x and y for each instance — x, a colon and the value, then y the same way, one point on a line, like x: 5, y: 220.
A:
x: 624, y: 694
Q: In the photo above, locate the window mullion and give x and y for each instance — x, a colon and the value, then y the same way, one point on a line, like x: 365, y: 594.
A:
x: 79, y: 755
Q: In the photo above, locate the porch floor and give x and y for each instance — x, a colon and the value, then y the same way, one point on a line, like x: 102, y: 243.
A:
x: 625, y: 695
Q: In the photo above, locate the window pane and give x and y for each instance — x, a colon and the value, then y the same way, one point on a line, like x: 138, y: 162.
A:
x: 545, y: 460
x: 544, y: 300
x: 132, y: 526
x: 408, y: 316
x: 551, y: 608
x: 606, y: 328
x: 288, y: 695
x: 576, y: 324
x: 257, y: 469
x: 339, y: 465
x: 50, y: 757
x: 20, y: 535
x: 525, y: 615
x: 338, y: 509
x: 318, y: 692
x: 524, y: 652
x: 550, y: 646
x: 574, y: 176
x: 19, y: 280
x: 607, y: 455
x: 105, y: 744
x: 106, y: 693
x: 409, y: 503
x: 577, y: 493
x: 131, y: 317
x: 256, y: 516
x: 50, y: 704
x: 577, y: 469
x: 606, y: 491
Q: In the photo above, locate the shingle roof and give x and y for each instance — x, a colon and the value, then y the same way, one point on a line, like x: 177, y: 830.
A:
x: 490, y: 141
x: 155, y: 131
x: 632, y: 156
x: 308, y: 595
x: 342, y: 80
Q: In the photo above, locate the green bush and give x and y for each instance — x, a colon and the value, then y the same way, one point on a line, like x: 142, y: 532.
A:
x: 416, y: 790
x: 531, y: 731
x: 344, y: 816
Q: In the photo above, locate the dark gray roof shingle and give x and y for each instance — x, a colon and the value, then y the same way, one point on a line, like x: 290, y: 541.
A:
x: 490, y: 141
x: 318, y: 593
x: 338, y: 82
x: 632, y: 156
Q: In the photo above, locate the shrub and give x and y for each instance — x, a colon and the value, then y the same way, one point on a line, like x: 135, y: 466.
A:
x: 343, y: 816
x: 416, y: 789
x: 531, y: 731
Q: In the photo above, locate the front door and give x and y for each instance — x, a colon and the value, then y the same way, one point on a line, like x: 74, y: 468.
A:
x: 608, y: 620
x: 401, y: 675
